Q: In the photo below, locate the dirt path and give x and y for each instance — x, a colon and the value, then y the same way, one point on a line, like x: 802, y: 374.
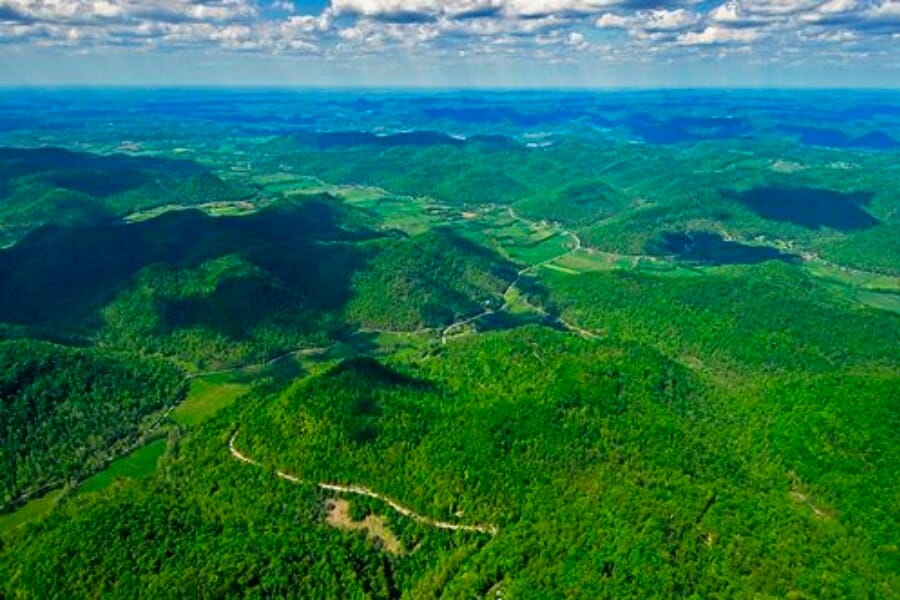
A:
x: 364, y: 491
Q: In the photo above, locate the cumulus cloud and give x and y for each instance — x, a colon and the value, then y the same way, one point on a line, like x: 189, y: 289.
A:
x: 412, y: 10
x: 875, y: 17
x: 401, y: 10
x: 553, y: 29
x: 612, y: 21
x: 86, y: 11
x: 667, y: 20
x: 714, y: 35
x: 734, y: 14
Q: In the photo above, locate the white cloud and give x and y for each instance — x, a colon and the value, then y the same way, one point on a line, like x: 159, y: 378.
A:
x: 667, y: 20
x: 85, y: 11
x: 612, y: 21
x: 535, y: 8
x: 838, y: 6
x: 735, y: 15
x: 554, y: 30
x: 378, y: 8
x: 875, y: 17
x: 778, y: 7
x: 576, y: 40
x: 834, y: 36
x: 405, y: 10
x: 714, y: 34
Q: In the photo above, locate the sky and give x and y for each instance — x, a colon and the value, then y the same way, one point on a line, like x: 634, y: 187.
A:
x: 451, y: 43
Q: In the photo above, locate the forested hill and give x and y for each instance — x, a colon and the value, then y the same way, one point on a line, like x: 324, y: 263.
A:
x: 54, y: 185
x: 227, y: 290
x: 403, y: 345
x: 648, y: 481
x: 65, y: 412
x: 430, y: 280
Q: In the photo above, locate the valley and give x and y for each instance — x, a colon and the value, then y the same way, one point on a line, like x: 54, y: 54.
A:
x: 406, y: 355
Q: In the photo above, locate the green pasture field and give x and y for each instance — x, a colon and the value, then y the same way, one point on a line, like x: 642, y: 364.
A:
x: 522, y: 242
x: 213, y: 209
x: 880, y: 300
x: 28, y: 512
x: 207, y: 396
x: 139, y: 464
x: 853, y: 277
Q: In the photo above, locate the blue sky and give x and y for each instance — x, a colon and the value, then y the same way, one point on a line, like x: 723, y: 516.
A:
x: 452, y: 43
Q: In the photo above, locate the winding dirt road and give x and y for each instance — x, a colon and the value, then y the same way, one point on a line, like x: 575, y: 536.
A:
x: 364, y: 491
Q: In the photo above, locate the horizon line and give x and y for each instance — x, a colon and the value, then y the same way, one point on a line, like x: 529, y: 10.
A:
x: 5, y: 87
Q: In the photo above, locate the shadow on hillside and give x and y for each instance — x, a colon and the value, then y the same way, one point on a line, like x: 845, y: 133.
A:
x: 812, y: 208
x: 686, y: 129
x: 835, y: 138
x: 92, y: 174
x: 704, y: 248
x: 64, y: 275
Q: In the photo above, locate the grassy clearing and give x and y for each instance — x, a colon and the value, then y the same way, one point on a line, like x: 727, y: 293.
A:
x: 289, y: 185
x: 592, y: 261
x: 207, y: 396
x: 360, y: 194
x: 292, y: 185
x: 140, y: 464
x: 517, y: 304
x: 853, y: 278
x: 880, y: 300
x: 514, y: 239
x: 561, y: 269
x: 30, y: 511
x: 401, y: 345
x: 213, y: 209
x: 412, y: 215
x: 584, y: 261
x: 532, y: 254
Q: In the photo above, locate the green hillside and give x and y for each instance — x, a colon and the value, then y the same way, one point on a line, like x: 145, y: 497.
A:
x: 646, y: 479
x: 66, y: 276
x: 427, y: 281
x: 756, y: 320
x: 52, y: 185
x: 231, y: 290
x: 463, y: 344
x: 65, y: 412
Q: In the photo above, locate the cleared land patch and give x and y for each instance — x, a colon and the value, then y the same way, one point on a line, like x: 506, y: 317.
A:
x: 374, y: 526
x: 140, y: 464
x: 207, y: 396
x: 30, y: 511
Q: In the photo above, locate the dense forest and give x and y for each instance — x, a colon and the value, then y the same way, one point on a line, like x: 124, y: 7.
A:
x: 462, y: 346
x: 56, y: 186
x: 65, y: 412
x: 688, y: 487
x: 759, y: 319
x: 430, y: 280
x: 230, y: 290
x: 621, y: 197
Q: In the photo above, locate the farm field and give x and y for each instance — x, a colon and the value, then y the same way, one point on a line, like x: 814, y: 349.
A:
x: 207, y: 396
x: 136, y: 465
